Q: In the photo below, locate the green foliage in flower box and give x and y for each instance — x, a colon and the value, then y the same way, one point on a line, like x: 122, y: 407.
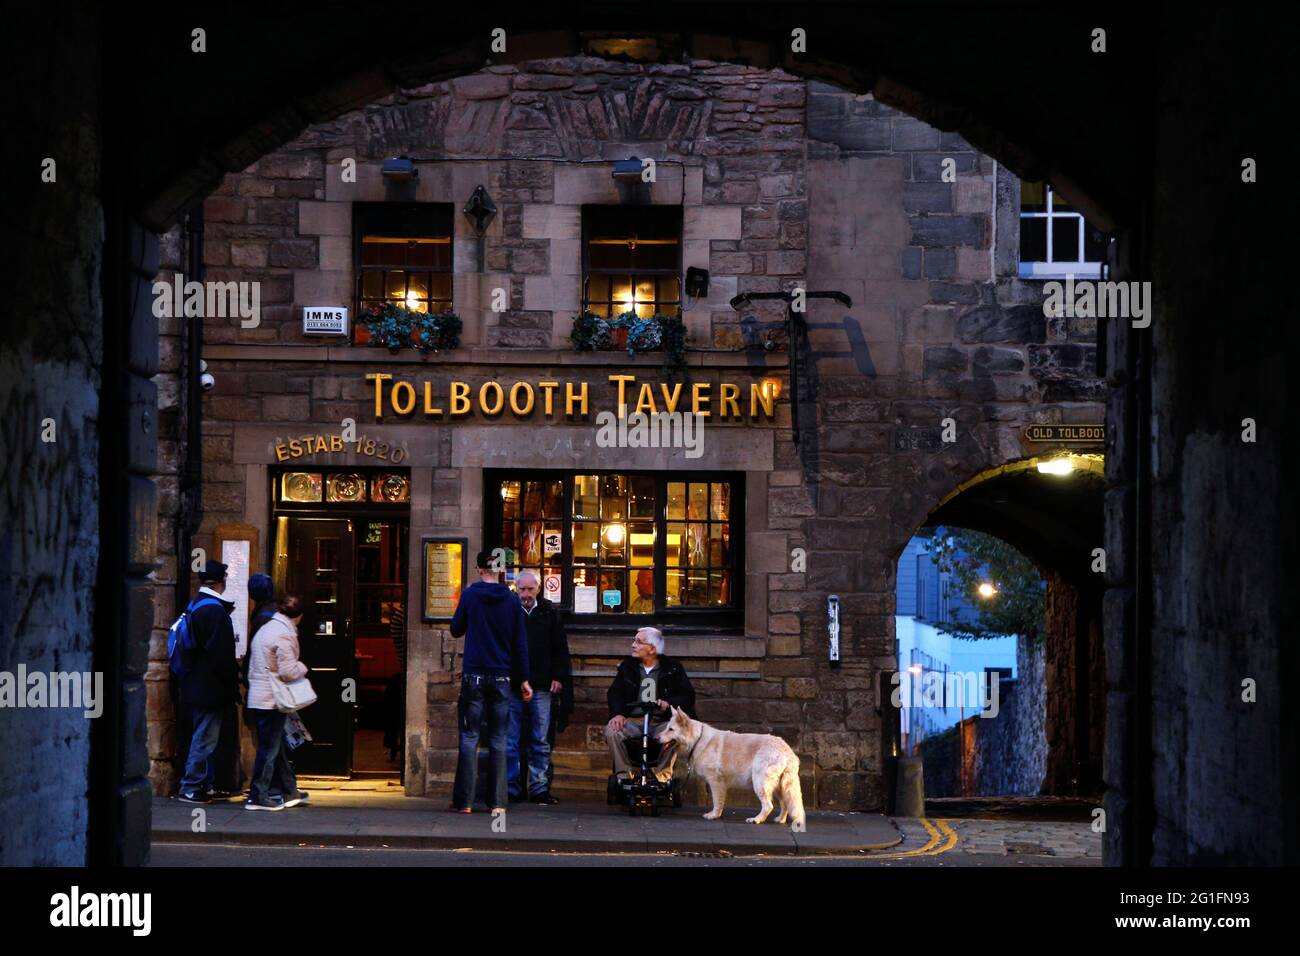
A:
x: 591, y: 333
x: 396, y: 327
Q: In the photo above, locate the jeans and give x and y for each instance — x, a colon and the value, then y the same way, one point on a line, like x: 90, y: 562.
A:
x: 272, y: 765
x: 530, y: 727
x: 482, y: 695
x: 200, y: 771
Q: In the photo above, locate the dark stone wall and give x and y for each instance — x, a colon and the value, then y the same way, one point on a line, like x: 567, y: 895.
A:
x: 51, y: 350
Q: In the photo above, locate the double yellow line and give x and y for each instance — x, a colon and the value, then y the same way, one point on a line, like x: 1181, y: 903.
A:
x: 942, y: 839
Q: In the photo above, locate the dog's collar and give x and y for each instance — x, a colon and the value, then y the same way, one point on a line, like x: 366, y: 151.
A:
x: 693, y: 746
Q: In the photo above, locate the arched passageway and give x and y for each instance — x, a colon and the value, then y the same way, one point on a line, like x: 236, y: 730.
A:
x: 1049, y: 508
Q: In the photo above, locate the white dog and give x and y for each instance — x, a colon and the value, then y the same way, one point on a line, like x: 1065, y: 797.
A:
x: 725, y: 758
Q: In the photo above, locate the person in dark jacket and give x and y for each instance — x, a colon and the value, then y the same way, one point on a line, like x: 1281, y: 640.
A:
x: 209, y: 680
x: 549, y: 671
x: 496, y: 652
x: 650, y: 676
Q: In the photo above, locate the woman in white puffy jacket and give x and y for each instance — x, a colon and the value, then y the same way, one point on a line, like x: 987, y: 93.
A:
x: 273, y: 655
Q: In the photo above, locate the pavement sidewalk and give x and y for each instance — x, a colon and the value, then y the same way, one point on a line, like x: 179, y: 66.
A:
x: 381, y: 820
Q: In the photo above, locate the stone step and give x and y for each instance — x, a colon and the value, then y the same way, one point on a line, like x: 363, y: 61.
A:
x: 581, y: 760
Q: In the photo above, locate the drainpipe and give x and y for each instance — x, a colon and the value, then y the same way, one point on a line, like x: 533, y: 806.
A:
x: 191, y: 477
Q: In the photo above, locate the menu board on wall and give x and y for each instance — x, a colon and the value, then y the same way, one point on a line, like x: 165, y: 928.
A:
x: 234, y: 554
x: 444, y: 577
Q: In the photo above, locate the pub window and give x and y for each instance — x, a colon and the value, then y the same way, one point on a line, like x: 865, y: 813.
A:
x: 402, y: 255
x: 1055, y: 239
x: 631, y: 260
x: 623, y: 546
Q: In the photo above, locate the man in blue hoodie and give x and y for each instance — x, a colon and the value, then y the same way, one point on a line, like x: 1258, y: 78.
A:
x: 496, y: 654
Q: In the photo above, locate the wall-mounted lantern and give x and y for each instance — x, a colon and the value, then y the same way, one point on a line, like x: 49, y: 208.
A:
x: 480, y: 209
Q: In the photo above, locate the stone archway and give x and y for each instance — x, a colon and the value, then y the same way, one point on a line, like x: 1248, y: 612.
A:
x: 1056, y: 521
x: 175, y: 123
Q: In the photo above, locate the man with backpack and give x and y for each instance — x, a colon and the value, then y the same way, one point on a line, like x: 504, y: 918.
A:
x: 205, y: 665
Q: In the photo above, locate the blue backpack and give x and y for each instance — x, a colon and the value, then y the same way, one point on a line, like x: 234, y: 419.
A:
x: 180, y: 641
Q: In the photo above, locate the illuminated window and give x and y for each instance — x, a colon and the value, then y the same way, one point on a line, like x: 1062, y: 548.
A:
x: 621, y: 545
x: 403, y: 256
x: 631, y: 260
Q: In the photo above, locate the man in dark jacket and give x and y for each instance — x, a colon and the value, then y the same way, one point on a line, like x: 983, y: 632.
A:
x: 549, y: 671
x: 209, y: 679
x: 647, y: 678
x: 496, y: 650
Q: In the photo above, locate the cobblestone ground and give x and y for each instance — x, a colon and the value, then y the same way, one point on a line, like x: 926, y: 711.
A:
x: 1037, y: 840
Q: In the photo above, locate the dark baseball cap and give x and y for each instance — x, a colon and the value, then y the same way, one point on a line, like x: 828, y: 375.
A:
x: 213, y: 571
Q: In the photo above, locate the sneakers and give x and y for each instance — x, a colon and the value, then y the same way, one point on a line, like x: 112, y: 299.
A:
x: 543, y: 798
x: 193, y: 797
x: 219, y: 794
x: 299, y: 796
x: 263, y: 805
x: 455, y: 809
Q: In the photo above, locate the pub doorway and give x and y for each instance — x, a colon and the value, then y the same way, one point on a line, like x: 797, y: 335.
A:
x: 341, y: 543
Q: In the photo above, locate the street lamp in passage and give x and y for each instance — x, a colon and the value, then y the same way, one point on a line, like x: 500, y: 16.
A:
x: 1056, y: 466
x: 986, y: 590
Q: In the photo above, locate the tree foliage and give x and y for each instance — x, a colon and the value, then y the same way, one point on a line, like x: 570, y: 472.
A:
x: 973, y: 558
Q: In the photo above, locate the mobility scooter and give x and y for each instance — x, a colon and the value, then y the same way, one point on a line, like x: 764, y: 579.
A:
x: 644, y: 791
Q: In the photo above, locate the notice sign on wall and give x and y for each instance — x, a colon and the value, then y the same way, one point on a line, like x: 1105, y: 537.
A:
x: 584, y: 599
x: 235, y: 554
x: 444, y: 576
x: 324, y: 320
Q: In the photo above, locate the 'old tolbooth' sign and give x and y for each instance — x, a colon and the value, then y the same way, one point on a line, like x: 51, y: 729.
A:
x: 1065, y: 433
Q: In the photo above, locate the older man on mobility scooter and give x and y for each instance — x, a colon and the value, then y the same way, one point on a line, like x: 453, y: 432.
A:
x: 646, y: 685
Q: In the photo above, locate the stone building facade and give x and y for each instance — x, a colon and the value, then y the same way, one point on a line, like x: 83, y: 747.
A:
x: 780, y: 183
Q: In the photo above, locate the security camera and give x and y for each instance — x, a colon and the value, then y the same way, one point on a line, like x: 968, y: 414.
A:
x: 203, y: 366
x: 207, y: 381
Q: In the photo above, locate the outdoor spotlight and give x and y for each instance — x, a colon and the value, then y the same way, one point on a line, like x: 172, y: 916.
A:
x: 628, y: 170
x: 480, y: 209
x: 207, y: 382
x: 986, y: 590
x: 1057, y: 466
x: 770, y: 388
x: 400, y: 169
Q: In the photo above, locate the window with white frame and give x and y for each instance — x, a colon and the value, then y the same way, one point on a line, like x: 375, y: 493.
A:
x: 1055, y: 239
